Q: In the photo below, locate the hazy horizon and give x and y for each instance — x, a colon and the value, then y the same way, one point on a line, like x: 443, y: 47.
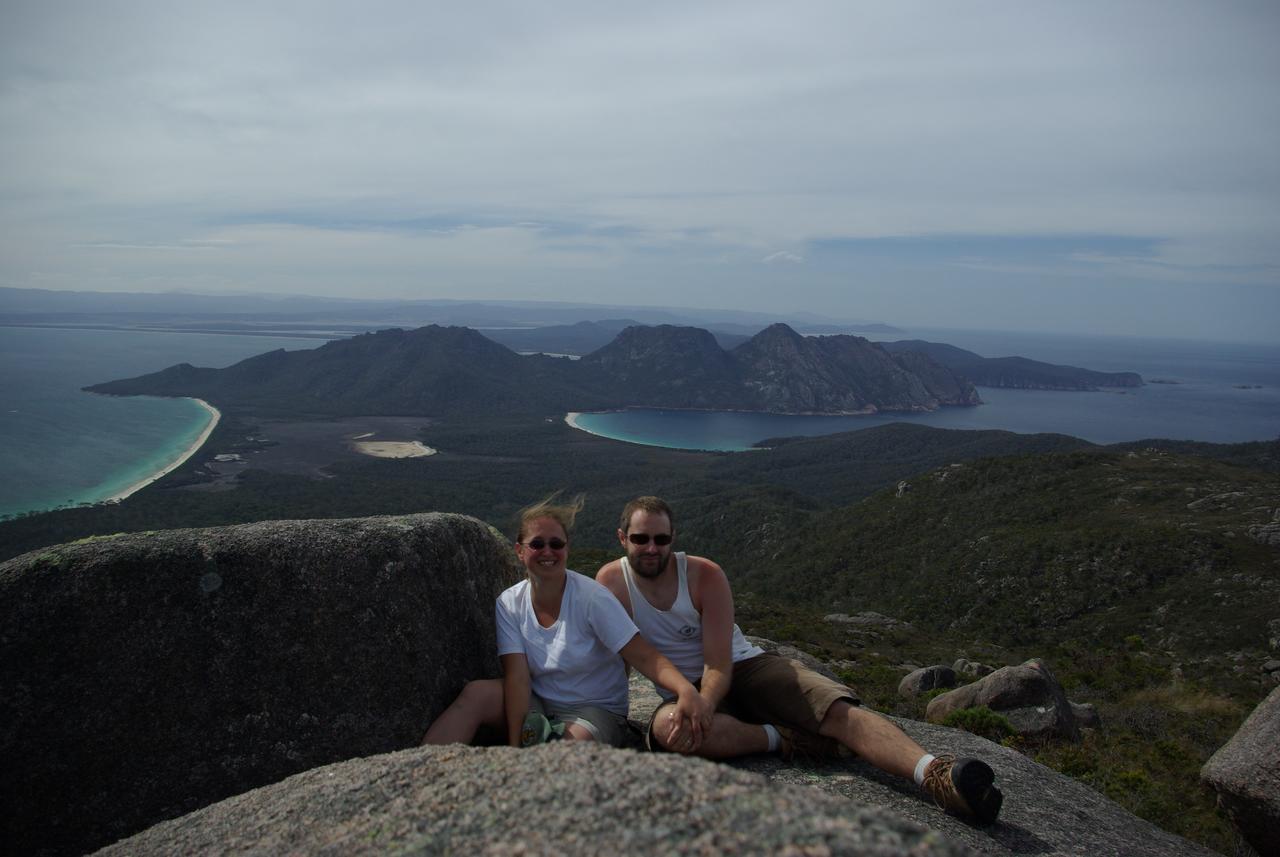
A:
x: 1080, y: 168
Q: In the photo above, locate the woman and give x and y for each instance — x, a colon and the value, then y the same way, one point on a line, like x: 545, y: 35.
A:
x: 562, y: 641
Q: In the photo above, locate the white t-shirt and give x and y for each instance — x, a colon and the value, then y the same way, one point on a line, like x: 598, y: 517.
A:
x: 575, y: 661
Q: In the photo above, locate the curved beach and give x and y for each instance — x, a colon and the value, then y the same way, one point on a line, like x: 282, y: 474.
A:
x: 214, y: 416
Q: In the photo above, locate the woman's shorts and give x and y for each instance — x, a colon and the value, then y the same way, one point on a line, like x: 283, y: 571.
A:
x: 604, y: 726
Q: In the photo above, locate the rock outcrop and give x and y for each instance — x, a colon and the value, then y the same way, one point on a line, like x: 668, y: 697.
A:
x: 143, y: 676
x: 567, y: 799
x: 149, y: 675
x: 1027, y: 695
x: 1246, y: 774
x: 964, y: 666
x: 554, y: 799
x: 926, y: 679
x: 1045, y: 813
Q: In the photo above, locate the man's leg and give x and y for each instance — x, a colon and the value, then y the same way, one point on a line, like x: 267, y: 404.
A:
x: 769, y: 688
x: 872, y: 737
x: 728, y: 737
x: 480, y: 703
x: 965, y: 786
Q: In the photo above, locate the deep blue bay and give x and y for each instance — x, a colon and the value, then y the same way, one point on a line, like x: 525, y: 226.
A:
x: 60, y: 446
x: 1207, y: 403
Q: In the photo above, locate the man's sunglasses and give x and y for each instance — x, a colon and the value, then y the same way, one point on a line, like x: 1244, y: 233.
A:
x: 538, y: 544
x: 661, y: 539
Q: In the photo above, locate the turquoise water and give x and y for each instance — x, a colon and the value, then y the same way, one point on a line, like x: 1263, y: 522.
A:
x: 60, y: 446
x: 1206, y: 404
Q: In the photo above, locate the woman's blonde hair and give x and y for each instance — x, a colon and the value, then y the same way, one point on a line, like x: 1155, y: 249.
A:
x: 562, y: 513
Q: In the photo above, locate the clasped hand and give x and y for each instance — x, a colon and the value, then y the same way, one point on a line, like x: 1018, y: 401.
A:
x: 692, y: 718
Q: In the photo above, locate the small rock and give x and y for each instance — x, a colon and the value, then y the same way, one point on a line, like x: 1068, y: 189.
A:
x: 865, y: 619
x: 926, y: 679
x: 964, y: 666
x: 1267, y: 534
x: 1028, y: 695
x: 1086, y: 715
x: 795, y: 654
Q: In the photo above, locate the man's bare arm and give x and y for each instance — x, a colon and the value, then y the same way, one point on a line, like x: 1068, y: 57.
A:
x: 610, y: 577
x: 714, y: 599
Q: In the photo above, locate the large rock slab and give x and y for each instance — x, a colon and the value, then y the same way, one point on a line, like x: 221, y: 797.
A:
x: 1246, y: 774
x: 1045, y: 813
x: 563, y: 799
x: 143, y: 676
x: 1027, y: 694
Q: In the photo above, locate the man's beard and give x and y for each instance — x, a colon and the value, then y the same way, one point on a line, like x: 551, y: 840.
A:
x: 643, y: 567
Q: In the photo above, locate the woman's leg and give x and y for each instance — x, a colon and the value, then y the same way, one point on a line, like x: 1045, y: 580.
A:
x: 577, y: 732
x: 480, y: 703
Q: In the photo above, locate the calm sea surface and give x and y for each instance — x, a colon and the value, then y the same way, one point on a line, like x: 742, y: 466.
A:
x: 60, y: 446
x: 1207, y: 402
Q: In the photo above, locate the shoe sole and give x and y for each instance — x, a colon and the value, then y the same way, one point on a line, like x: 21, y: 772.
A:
x: 975, y: 780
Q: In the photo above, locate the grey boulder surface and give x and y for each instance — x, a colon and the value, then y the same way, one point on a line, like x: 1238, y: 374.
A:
x: 561, y: 798
x: 143, y: 676
x: 1245, y: 772
x: 1027, y: 694
x: 1045, y: 813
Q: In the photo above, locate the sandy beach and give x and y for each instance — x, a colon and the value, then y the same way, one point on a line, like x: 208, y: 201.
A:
x: 214, y: 416
x: 393, y: 448
x: 571, y: 419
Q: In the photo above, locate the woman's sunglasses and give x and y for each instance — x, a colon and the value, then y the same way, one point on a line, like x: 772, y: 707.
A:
x: 661, y: 539
x: 539, y: 543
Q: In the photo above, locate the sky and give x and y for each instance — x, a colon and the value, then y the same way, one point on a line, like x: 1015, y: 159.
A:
x: 1104, y: 167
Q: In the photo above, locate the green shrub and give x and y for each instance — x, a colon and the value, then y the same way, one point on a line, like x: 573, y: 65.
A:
x: 980, y: 721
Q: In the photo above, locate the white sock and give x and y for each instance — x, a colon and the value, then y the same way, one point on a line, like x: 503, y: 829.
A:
x: 921, y: 767
x: 774, y: 738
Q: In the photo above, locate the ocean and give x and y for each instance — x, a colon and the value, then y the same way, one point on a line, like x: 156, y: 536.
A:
x: 60, y: 446
x: 1220, y: 392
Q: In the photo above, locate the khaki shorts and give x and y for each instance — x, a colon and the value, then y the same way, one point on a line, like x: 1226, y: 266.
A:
x: 775, y: 690
x: 604, y: 726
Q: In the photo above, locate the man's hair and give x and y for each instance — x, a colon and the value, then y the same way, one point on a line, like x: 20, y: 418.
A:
x: 562, y: 513
x: 652, y: 505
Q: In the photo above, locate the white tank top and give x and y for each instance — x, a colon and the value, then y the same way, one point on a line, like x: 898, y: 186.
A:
x: 677, y: 632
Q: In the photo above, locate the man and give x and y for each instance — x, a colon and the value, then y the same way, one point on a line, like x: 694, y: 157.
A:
x: 684, y: 607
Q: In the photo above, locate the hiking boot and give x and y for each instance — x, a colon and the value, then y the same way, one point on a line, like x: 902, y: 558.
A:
x: 538, y: 729
x: 798, y: 744
x: 964, y: 786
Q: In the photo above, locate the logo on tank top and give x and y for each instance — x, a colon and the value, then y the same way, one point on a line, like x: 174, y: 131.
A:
x: 688, y: 631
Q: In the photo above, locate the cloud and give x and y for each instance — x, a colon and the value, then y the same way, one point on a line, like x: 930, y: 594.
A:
x: 673, y: 146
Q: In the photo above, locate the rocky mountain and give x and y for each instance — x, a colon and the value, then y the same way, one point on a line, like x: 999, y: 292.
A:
x: 1016, y: 372
x: 842, y: 374
x: 442, y: 371
x: 583, y: 337
x: 669, y: 366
